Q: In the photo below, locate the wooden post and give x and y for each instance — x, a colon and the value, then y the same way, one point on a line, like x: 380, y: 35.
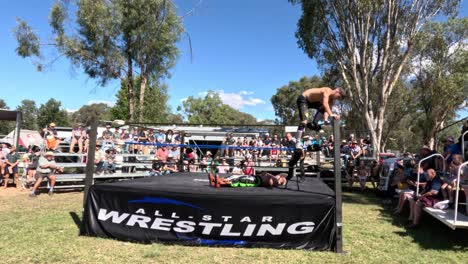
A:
x: 19, y: 117
x: 90, y: 160
x: 338, y: 194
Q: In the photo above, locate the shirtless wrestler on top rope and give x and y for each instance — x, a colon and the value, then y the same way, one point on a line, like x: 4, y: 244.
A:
x: 320, y: 99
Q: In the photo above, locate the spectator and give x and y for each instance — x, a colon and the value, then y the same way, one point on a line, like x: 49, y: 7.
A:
x: 273, y: 153
x: 248, y: 165
x: 162, y: 154
x: 3, y: 153
x: 78, y: 134
x: 451, y: 182
x: 151, y: 136
x: 450, y: 149
x: 86, y: 132
x: 156, y: 168
x: 12, y: 160
x: 427, y: 198
x: 267, y: 144
x: 362, y: 173
x: 109, y: 162
x: 174, y: 151
x: 51, y: 141
x: 354, y: 155
x: 170, y: 166
x: 170, y: 138
x: 33, y: 163
x: 116, y: 134
x: 237, y: 170
x: 429, y: 163
x: 107, y: 138
x: 46, y: 168
x: 161, y: 137
x: 290, y: 143
x: 142, y: 140
x: 276, y: 140
x: 375, y: 174
x: 223, y: 167
x: 99, y: 158
x: 205, y: 163
x: 239, y: 150
x: 412, y: 186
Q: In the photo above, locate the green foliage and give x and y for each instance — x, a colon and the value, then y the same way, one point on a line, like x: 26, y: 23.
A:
x: 87, y: 113
x: 211, y: 110
x: 52, y: 111
x: 441, y: 81
x: 112, y: 40
x: 155, y: 109
x: 284, y: 101
x: 5, y: 126
x: 28, y: 41
x: 29, y: 110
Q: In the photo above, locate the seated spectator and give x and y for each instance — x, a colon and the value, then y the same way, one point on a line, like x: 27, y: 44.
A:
x: 142, y: 139
x: 12, y: 161
x: 51, y: 141
x: 273, y: 152
x: 162, y: 154
x: 237, y: 170
x: 156, y: 168
x: 175, y: 152
x: 248, y: 165
x: 223, y: 167
x: 99, y: 158
x: 427, y: 198
x: 205, y: 164
x: 450, y: 149
x: 362, y: 174
x: 161, y: 136
x: 78, y: 133
x: 170, y: 166
x: 109, y: 161
x: 107, y: 138
x: 46, y: 168
x: 411, y: 180
x: 451, y: 182
x: 3, y: 153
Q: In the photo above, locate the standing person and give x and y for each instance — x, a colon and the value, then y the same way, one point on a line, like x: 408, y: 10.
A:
x: 77, y: 138
x: 170, y: 138
x: 450, y: 149
x: 320, y: 99
x: 12, y: 161
x: 362, y: 173
x: 33, y: 163
x: 3, y: 153
x: 142, y: 138
x: 46, y: 168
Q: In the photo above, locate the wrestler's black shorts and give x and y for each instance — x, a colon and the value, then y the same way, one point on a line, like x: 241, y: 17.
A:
x: 304, y: 106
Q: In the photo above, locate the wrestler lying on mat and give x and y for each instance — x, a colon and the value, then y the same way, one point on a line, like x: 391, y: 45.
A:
x: 263, y: 180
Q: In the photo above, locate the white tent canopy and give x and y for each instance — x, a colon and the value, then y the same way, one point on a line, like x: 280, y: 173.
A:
x: 26, y: 138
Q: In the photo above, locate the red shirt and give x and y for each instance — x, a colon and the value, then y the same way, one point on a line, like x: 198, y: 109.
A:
x: 162, y: 154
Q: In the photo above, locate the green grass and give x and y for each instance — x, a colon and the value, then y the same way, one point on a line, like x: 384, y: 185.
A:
x: 44, y: 230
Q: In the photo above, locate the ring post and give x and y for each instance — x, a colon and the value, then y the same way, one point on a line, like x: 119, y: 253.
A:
x: 338, y: 194
x: 90, y: 160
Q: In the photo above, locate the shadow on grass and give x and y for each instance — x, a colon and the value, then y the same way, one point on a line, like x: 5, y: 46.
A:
x: 77, y: 220
x: 431, y: 234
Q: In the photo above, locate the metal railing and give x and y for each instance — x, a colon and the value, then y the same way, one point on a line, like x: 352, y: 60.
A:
x: 458, y: 191
x: 419, y: 168
x: 463, y: 144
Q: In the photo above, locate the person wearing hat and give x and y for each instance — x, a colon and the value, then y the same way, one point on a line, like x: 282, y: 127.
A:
x: 46, y: 168
x: 12, y: 161
x: 107, y: 137
x: 170, y: 165
x: 78, y: 134
x: 51, y: 141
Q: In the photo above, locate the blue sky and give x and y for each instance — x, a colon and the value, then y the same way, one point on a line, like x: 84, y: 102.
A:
x: 243, y: 49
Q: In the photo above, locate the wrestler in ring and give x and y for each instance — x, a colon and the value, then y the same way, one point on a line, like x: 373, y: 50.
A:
x: 263, y: 180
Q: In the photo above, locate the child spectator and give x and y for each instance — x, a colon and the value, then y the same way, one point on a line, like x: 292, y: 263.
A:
x: 451, y: 182
x: 156, y: 168
x: 109, y: 162
x: 50, y: 135
x: 99, y: 157
x: 107, y: 138
x: 362, y: 173
x: 273, y: 153
x: 33, y: 163
x: 248, y: 165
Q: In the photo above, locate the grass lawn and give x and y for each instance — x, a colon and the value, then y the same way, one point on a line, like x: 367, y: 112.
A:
x: 44, y: 230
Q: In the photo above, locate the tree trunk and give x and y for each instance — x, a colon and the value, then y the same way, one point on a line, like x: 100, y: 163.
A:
x: 131, y: 95
x: 144, y: 81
